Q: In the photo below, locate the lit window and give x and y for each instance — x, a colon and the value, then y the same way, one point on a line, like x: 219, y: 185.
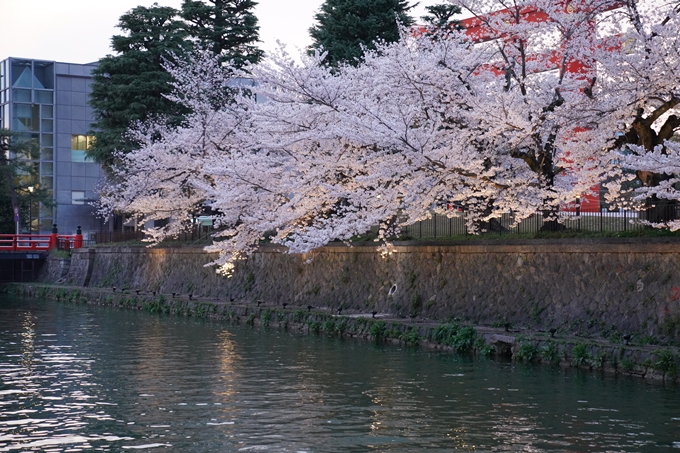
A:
x: 79, y: 145
x: 77, y: 197
x: 81, y: 142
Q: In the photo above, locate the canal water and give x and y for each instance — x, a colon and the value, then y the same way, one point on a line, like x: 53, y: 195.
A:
x: 81, y: 378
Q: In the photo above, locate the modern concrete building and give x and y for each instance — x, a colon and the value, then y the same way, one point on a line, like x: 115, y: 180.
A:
x: 46, y: 102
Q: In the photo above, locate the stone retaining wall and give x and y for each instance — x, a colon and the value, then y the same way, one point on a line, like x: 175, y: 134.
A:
x: 581, y: 287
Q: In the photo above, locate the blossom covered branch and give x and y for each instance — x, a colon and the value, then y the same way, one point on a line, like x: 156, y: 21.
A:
x: 514, y: 114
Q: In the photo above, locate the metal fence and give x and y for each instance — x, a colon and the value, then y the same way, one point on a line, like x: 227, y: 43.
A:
x: 199, y: 234
x: 442, y: 226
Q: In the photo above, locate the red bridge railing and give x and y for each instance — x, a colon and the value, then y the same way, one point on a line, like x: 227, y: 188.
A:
x: 40, y: 242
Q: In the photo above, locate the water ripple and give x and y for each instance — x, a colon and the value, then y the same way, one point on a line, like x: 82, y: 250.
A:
x: 76, y: 378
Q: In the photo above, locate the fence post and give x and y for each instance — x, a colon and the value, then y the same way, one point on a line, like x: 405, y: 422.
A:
x: 434, y: 220
x: 78, y: 241
x: 53, y: 237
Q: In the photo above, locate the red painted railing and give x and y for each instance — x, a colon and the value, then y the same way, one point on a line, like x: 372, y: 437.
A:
x: 39, y: 242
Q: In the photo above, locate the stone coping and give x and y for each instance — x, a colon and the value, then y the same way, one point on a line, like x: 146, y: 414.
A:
x: 647, y: 245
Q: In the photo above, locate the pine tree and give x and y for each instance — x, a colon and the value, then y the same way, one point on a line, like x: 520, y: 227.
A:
x: 129, y: 86
x: 440, y: 16
x: 346, y: 26
x: 228, y: 27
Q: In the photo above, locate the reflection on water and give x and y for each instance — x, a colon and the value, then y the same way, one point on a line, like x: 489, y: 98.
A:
x: 46, y: 400
x: 76, y: 378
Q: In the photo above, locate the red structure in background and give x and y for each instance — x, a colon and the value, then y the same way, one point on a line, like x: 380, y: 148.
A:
x: 479, y: 31
x: 40, y: 242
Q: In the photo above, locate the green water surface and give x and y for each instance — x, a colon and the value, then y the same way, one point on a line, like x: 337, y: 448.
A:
x: 82, y: 378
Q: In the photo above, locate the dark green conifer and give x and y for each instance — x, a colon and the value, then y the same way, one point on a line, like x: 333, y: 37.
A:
x: 129, y: 86
x: 344, y: 27
x: 440, y: 17
x: 228, y: 27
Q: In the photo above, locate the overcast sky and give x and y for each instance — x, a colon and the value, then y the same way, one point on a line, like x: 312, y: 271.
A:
x: 79, y: 31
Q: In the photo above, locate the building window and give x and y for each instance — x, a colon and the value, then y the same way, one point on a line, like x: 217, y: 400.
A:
x: 21, y: 95
x: 26, y: 117
x: 77, y: 197
x: 43, y: 97
x: 22, y: 74
x: 47, y: 111
x: 79, y: 145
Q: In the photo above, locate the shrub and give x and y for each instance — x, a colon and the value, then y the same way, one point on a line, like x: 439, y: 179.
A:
x: 627, y: 365
x: 411, y: 337
x: 152, y: 306
x: 300, y: 316
x: 526, y: 352
x: 482, y: 348
x: 598, y: 360
x: 203, y: 310
x: 378, y: 330
x: 549, y: 352
x: 341, y: 326
x: 464, y: 339
x: 329, y: 326
x: 580, y: 355
x: 444, y: 333
x: 314, y: 326
x: 266, y: 317
x: 665, y: 361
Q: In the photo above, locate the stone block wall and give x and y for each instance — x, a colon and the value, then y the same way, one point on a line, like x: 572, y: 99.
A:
x: 577, y: 286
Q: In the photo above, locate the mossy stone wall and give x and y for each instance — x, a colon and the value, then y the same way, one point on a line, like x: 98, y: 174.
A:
x: 576, y: 286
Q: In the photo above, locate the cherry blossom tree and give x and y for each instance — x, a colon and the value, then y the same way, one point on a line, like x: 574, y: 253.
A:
x: 664, y: 163
x: 642, y: 91
x: 522, y: 111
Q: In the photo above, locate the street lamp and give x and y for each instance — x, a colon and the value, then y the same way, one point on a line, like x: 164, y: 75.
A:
x: 30, y: 209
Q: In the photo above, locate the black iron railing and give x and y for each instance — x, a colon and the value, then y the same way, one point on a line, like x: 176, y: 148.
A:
x: 454, y: 224
x: 198, y: 234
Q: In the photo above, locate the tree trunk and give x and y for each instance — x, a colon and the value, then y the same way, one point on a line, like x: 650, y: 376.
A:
x: 550, y: 222
x: 657, y: 210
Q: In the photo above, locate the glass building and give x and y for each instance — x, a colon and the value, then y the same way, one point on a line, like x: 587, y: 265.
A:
x: 45, y: 102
